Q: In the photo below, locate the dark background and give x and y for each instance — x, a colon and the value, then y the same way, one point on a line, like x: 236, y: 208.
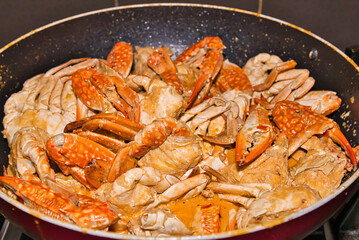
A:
x: 334, y: 20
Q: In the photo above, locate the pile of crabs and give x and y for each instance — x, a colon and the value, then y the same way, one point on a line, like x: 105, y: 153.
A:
x: 142, y: 144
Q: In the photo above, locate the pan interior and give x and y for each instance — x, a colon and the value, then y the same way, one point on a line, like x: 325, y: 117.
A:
x: 178, y: 26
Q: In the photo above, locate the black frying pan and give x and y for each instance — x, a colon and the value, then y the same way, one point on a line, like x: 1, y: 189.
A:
x: 178, y: 26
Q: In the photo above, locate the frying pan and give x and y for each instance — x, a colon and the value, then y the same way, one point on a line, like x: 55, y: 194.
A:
x: 179, y: 25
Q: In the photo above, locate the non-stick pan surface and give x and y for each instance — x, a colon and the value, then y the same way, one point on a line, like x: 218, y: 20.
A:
x: 175, y: 25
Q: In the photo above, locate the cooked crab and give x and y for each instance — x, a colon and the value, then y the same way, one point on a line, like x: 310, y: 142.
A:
x: 190, y: 146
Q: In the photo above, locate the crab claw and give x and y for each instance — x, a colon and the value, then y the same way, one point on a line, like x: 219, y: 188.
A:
x: 144, y: 141
x: 73, y: 153
x: 207, y: 56
x: 102, y: 92
x: 122, y: 97
x: 337, y: 136
x: 162, y: 64
x: 255, y: 137
x: 210, y: 67
x: 125, y: 160
x: 195, y: 53
x: 86, y: 92
x: 12, y: 183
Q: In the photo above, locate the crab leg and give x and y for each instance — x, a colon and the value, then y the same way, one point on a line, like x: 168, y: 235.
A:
x: 256, y: 135
x: 125, y: 160
x: 130, y: 97
x: 121, y: 130
x: 322, y: 102
x: 162, y: 64
x: 112, y: 122
x: 339, y: 138
x: 244, y: 201
x: 232, y: 220
x: 274, y: 74
x: 180, y: 188
x: 220, y: 177
x: 238, y: 189
x: 229, y: 135
x: 296, y: 89
x: 206, y: 110
x: 302, y: 90
x: 29, y: 143
x: 145, y: 140
x: 210, y: 67
x: 81, y: 109
x: 109, y: 142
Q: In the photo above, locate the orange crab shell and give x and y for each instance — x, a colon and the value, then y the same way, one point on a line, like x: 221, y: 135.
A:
x: 212, y: 42
x: 291, y: 117
x: 300, y: 122
x: 83, y: 88
x: 88, y: 212
x: 73, y: 154
x: 232, y: 76
x: 121, y: 58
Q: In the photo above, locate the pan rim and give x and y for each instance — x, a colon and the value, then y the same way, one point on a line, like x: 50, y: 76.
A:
x: 32, y: 32
x: 113, y: 235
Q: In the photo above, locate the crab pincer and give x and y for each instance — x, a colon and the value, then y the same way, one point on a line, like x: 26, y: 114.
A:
x: 255, y: 137
x: 73, y: 154
x: 196, y: 52
x: 210, y: 67
x: 150, y: 137
x: 88, y: 159
x: 101, y: 92
x: 207, y: 56
x: 162, y: 64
